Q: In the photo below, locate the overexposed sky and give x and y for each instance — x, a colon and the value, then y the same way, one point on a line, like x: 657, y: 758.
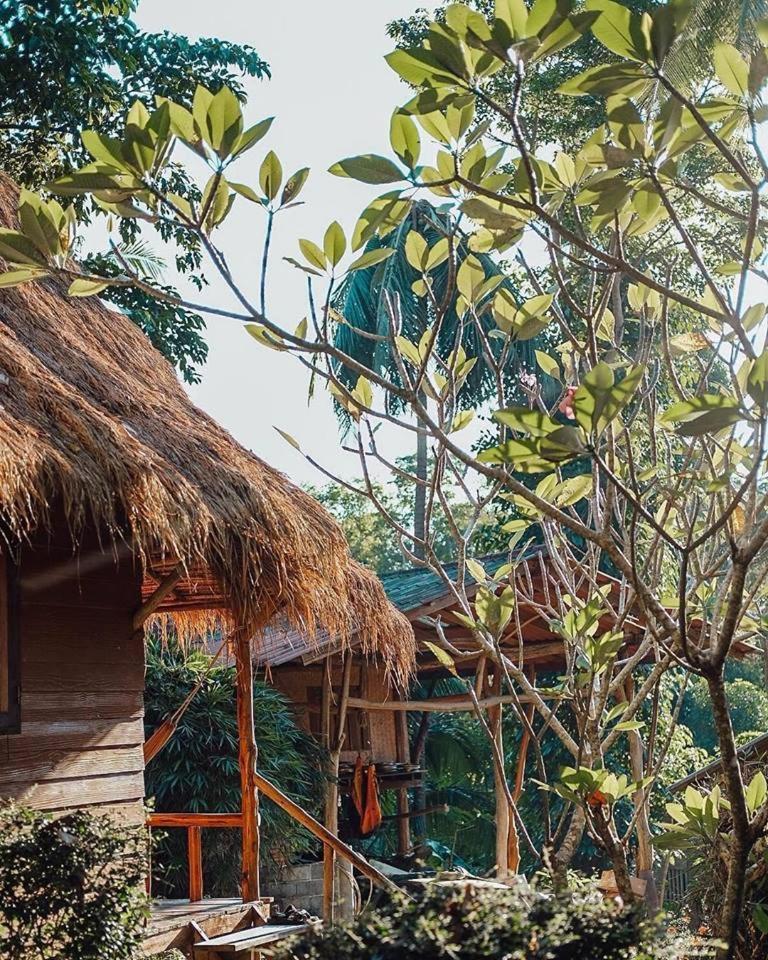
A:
x: 332, y: 95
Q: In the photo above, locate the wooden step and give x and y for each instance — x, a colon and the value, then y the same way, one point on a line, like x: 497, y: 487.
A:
x: 253, y: 938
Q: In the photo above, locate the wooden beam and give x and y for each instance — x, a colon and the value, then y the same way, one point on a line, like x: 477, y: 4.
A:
x: 206, y: 820
x: 447, y: 704
x: 164, y: 588
x: 300, y: 815
x: 195, y: 861
x: 247, y: 758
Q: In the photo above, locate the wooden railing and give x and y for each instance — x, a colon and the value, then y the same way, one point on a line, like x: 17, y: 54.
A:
x: 193, y: 823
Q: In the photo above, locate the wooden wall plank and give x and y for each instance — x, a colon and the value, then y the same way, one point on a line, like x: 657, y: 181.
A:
x: 81, y: 792
x: 40, y: 765
x: 106, y: 705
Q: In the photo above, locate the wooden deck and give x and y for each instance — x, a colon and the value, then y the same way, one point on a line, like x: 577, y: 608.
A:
x: 170, y: 922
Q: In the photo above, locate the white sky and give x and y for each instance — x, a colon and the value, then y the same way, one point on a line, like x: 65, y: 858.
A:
x: 332, y: 95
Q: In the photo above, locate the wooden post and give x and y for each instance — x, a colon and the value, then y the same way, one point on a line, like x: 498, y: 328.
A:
x: 517, y: 790
x: 403, y: 756
x: 337, y: 886
x: 195, y: 861
x: 503, y: 819
x: 247, y: 756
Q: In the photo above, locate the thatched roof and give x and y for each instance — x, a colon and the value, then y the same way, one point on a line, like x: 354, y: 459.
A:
x: 94, y: 419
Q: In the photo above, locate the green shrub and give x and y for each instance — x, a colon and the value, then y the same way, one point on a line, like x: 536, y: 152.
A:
x: 70, y: 888
x: 198, y: 770
x: 468, y: 921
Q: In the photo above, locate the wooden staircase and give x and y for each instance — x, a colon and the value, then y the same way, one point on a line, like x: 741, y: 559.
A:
x: 248, y: 942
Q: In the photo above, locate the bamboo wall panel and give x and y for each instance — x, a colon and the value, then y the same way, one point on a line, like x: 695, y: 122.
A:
x: 82, y: 676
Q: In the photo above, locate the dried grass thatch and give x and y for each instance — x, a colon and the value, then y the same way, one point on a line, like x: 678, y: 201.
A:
x: 94, y: 419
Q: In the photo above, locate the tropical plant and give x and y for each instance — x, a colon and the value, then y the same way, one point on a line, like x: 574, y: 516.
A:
x: 655, y: 547
x: 471, y: 921
x: 198, y: 770
x: 69, y: 64
x: 70, y: 886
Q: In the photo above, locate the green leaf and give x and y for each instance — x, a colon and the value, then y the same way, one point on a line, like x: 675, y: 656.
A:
x: 416, y: 250
x: 756, y: 792
x: 368, y: 168
x: 630, y: 725
x: 12, y: 278
x: 370, y: 258
x: 104, y: 149
x: 599, y: 399
x: 707, y: 413
x: 514, y: 15
x: 250, y: 137
x: 264, y: 336
x: 83, y: 287
x: 405, y: 140
x: 443, y: 657
x: 757, y: 381
x: 409, y: 350
x: 462, y: 419
x: 572, y: 490
x: 225, y: 122
x: 16, y: 248
x: 533, y: 422
x: 621, y: 31
x: 363, y: 392
x: 293, y: 186
x: 313, y: 254
x: 334, y: 243
x: 245, y: 191
x: 288, y: 438
x: 731, y: 68
x: 270, y: 175
x: 476, y: 570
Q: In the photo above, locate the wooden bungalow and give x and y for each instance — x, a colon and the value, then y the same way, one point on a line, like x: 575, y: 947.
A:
x: 121, y: 502
x: 344, y: 689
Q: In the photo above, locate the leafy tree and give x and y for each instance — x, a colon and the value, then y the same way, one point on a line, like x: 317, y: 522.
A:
x: 69, y: 64
x: 663, y: 366
x: 198, y: 769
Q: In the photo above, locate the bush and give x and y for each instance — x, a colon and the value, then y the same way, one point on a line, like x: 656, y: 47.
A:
x: 469, y: 921
x: 70, y: 888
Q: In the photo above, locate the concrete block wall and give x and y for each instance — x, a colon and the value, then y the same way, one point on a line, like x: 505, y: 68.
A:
x: 300, y: 884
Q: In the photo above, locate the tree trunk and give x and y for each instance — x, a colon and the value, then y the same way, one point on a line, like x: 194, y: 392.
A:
x: 420, y: 492
x: 735, y: 890
x: 561, y: 858
x: 247, y: 755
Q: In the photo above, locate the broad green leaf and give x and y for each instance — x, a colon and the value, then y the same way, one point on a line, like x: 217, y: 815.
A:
x: 476, y: 570
x: 731, y: 68
x: 683, y: 343
x: 313, y: 254
x: 462, y: 419
x: 334, y: 243
x: 363, y: 392
x: 533, y: 422
x: 405, y: 140
x: 250, y: 137
x: 707, y: 413
x: 599, y: 399
x: 83, y: 287
x: 756, y: 792
x: 264, y: 336
x: 621, y: 31
x: 757, y: 381
x: 12, y: 278
x: 104, y: 149
x: 416, y: 250
x: 514, y: 15
x: 270, y: 175
x: 409, y: 350
x: 572, y: 490
x: 368, y: 168
x: 370, y: 258
x: 293, y: 186
x: 443, y: 657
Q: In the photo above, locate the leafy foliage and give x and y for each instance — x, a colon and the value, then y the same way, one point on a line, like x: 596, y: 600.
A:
x: 76, y: 63
x: 198, y: 769
x: 69, y: 886
x: 470, y: 922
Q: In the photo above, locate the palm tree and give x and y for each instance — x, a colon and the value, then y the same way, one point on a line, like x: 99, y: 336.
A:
x: 361, y: 301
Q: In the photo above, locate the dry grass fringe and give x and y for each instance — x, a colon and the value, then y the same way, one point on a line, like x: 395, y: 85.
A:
x: 93, y: 418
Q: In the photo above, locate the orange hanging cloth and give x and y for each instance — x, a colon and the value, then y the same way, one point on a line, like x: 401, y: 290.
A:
x: 372, y: 815
x: 357, y: 787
